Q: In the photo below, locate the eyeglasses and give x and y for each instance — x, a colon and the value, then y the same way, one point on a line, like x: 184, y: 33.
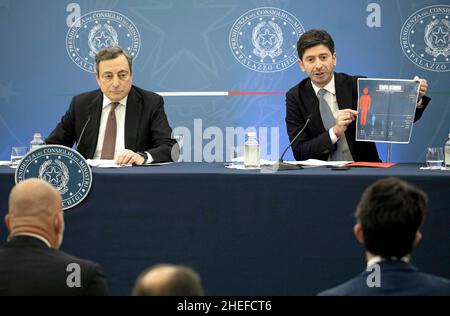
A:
x: 108, y: 77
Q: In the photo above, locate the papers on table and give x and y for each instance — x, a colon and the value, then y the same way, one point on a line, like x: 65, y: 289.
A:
x: 157, y: 164
x: 238, y: 163
x: 434, y: 168
x: 239, y: 167
x: 240, y: 160
x: 8, y: 164
x: 319, y: 163
x: 102, y: 163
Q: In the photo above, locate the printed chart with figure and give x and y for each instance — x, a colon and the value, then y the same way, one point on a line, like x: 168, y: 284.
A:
x: 386, y: 109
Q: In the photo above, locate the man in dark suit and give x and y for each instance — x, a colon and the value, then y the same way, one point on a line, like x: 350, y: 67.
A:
x: 389, y: 217
x: 330, y: 99
x: 168, y: 280
x: 119, y: 121
x: 30, y: 262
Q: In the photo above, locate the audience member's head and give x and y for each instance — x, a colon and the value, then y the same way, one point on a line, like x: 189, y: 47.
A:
x: 35, y: 207
x: 168, y: 280
x: 389, y: 216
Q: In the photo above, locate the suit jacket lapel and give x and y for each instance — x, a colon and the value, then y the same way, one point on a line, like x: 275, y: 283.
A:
x: 133, y: 113
x: 343, y: 94
x: 92, y: 129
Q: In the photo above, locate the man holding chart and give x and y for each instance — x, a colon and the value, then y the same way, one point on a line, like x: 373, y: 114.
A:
x: 331, y: 100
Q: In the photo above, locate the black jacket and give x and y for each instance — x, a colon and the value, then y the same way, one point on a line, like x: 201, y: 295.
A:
x: 315, y: 141
x: 29, y: 267
x: 146, y: 125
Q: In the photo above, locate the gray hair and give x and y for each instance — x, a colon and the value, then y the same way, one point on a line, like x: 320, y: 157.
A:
x: 111, y: 52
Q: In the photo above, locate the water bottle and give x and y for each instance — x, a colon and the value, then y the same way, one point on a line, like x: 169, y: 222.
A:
x: 37, y: 141
x: 447, y: 153
x: 251, y: 151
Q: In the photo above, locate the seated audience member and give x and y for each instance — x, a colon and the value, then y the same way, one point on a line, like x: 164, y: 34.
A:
x: 389, y: 217
x: 168, y: 280
x: 30, y: 262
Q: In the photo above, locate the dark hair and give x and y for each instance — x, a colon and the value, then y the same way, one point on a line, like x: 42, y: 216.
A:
x: 391, y: 212
x: 313, y: 38
x: 184, y: 281
x: 111, y: 52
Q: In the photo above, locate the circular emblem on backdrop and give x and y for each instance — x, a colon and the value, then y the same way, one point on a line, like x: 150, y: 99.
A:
x: 425, y: 38
x: 99, y: 29
x: 265, y: 39
x: 60, y: 166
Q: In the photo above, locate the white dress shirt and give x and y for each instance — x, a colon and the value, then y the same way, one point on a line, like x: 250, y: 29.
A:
x: 120, y: 119
x: 378, y: 259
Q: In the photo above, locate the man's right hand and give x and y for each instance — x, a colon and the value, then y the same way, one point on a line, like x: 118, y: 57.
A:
x: 343, y: 120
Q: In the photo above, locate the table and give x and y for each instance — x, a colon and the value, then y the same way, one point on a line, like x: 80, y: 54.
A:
x: 245, y: 232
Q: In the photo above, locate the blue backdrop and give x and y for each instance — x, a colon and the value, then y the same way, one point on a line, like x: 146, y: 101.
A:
x: 184, y: 45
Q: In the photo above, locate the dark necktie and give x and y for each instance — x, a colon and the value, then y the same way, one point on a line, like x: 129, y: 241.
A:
x: 109, y: 142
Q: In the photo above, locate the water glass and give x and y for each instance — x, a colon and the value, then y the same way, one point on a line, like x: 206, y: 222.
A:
x: 177, y: 149
x: 435, y: 157
x: 17, y: 153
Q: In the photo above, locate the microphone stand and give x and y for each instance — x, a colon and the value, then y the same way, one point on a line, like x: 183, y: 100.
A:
x: 280, y: 165
x: 82, y: 131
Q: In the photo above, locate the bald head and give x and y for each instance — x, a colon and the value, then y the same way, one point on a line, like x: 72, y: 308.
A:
x: 168, y: 280
x: 35, y: 207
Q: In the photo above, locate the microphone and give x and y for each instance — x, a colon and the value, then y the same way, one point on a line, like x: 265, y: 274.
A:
x: 82, y: 131
x: 280, y: 165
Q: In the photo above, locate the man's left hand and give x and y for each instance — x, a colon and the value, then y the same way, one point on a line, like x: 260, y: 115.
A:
x: 129, y: 157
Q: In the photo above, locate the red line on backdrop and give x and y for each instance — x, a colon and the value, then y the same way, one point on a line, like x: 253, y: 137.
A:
x: 254, y: 93
x: 216, y: 93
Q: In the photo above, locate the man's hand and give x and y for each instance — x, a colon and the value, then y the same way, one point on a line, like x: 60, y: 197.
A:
x: 129, y: 157
x: 423, y: 86
x: 344, y: 119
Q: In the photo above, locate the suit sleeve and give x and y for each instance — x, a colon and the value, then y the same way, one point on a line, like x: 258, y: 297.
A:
x: 161, y: 134
x: 95, y: 282
x: 64, y: 133
x: 419, y: 112
x: 308, y: 145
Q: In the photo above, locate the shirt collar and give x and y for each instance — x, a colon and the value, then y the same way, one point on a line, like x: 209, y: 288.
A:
x: 107, y: 101
x: 45, y: 241
x: 378, y: 259
x: 330, y: 87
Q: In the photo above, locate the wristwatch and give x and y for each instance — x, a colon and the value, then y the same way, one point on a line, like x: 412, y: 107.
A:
x: 144, y: 155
